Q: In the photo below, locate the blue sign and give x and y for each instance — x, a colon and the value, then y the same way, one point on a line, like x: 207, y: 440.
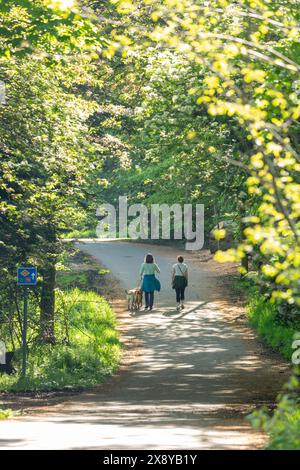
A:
x: 27, y: 276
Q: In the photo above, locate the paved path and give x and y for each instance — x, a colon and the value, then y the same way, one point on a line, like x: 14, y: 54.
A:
x: 196, y: 378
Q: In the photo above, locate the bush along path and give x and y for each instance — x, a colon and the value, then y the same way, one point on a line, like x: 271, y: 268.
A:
x: 198, y: 373
x: 280, y: 332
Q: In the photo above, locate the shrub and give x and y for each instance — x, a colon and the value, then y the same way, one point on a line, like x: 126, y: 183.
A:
x: 283, y: 426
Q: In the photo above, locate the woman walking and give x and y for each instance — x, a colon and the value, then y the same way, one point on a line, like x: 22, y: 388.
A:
x: 180, y: 280
x: 149, y: 282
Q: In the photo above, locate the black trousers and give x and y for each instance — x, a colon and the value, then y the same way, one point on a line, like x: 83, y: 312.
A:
x: 179, y: 293
x: 149, y: 299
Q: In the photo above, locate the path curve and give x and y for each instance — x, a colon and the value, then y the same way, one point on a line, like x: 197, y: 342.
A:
x: 196, y: 377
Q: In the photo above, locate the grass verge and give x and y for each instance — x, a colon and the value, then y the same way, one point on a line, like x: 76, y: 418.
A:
x: 87, y: 350
x: 263, y: 316
x: 83, y: 233
x: 283, y: 424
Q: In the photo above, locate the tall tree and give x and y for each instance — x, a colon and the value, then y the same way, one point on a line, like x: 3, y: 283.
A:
x: 45, y: 151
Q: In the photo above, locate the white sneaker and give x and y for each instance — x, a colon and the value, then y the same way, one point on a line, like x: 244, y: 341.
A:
x: 178, y: 307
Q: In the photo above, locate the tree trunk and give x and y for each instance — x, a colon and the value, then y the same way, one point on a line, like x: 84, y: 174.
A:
x: 245, y: 259
x: 245, y: 263
x: 48, y: 304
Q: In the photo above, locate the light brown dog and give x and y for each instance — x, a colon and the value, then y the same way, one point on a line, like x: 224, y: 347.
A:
x: 134, y: 298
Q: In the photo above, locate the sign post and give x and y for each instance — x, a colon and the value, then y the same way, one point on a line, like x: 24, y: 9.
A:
x: 24, y: 333
x: 27, y: 276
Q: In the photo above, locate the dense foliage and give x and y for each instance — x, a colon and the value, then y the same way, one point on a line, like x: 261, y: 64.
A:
x: 162, y: 101
x: 209, y: 114
x: 241, y: 62
x: 45, y: 154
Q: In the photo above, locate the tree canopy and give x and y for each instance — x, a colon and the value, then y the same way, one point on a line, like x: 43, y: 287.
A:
x: 173, y: 101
